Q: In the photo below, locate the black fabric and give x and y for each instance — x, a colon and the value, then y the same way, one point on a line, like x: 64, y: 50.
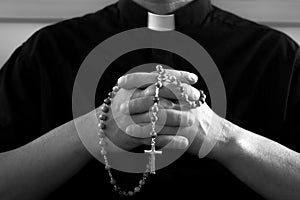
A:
x: 259, y: 66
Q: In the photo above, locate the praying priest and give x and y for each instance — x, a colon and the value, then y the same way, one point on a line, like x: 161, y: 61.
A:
x: 252, y: 153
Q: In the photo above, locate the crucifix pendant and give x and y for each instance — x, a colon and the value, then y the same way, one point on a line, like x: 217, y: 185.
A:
x: 152, y: 153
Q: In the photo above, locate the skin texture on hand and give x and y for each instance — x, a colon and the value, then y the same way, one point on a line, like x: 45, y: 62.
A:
x: 201, y: 126
x: 142, y: 100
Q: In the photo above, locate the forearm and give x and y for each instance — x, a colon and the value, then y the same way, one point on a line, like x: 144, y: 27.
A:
x: 36, y: 169
x: 269, y: 168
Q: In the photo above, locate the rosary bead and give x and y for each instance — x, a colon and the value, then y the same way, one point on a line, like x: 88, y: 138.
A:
x: 112, y: 181
x: 155, y: 108
x: 159, y: 84
x: 130, y: 193
x: 182, y: 89
x: 115, y: 88
x: 178, y: 83
x: 103, y: 117
x: 141, y: 182
x: 137, y: 189
x: 154, y: 118
x: 105, y: 108
x: 172, y: 79
x: 198, y: 103
x: 103, y: 152
x: 153, y: 133
x: 115, y: 188
x: 156, y: 99
x: 102, y: 125
x: 107, y: 101
x: 162, y: 77
x: 186, y: 98
x: 111, y: 94
x: 107, y: 167
x: 159, y: 69
x: 102, y: 142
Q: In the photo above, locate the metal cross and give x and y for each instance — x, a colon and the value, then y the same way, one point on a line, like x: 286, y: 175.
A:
x: 152, y: 153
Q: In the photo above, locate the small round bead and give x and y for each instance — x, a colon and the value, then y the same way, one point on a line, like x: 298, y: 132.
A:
x: 130, y: 193
x: 141, y: 182
x: 103, y: 117
x: 153, y: 133
x: 186, y: 97
x: 137, y: 189
x: 107, y: 101
x: 159, y: 84
x: 154, y: 118
x: 103, y: 152
x: 115, y: 188
x: 111, y: 95
x: 105, y: 108
x: 182, y: 89
x: 102, y: 142
x: 156, y: 99
x: 193, y: 104
x: 115, y: 88
x: 112, y: 181
x: 159, y: 68
x: 198, y: 103
x: 107, y: 167
x: 178, y: 83
x: 102, y: 125
x: 172, y: 78
x: 162, y: 77
x: 155, y: 108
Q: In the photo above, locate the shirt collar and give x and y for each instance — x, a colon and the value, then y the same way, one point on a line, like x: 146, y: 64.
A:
x: 191, y: 15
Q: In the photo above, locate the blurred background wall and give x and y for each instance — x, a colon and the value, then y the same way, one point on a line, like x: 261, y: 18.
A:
x: 20, y: 18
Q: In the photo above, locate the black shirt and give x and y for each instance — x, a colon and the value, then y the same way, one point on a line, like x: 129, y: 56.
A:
x: 259, y: 67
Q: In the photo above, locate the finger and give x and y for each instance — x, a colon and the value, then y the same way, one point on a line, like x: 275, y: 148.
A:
x: 172, y: 142
x: 143, y: 130
x: 167, y: 117
x: 143, y: 105
x: 136, y: 80
x: 170, y: 91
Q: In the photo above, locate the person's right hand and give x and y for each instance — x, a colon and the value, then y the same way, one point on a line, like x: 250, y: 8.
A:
x: 118, y: 121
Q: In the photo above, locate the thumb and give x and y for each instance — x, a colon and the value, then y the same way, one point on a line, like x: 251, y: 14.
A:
x: 172, y: 142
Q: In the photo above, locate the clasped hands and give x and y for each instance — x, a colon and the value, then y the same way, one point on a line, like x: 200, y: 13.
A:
x: 179, y: 127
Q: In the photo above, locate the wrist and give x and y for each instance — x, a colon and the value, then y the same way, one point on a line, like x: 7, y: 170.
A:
x: 227, y: 142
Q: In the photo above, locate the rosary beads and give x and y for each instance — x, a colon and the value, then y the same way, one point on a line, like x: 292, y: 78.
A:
x: 162, y: 78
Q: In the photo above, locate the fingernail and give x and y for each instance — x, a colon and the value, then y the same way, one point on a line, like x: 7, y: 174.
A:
x: 184, y: 143
x: 193, y: 77
x: 120, y: 81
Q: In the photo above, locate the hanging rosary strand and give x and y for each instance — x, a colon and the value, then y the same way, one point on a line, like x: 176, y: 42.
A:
x: 102, y: 118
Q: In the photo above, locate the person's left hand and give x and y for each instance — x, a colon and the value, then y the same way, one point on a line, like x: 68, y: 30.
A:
x: 205, y: 127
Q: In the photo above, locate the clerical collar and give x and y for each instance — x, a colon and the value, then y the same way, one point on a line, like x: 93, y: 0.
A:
x: 161, y: 22
x: 189, y: 16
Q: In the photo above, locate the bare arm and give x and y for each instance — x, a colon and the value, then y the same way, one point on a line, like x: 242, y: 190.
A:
x: 36, y: 169
x: 266, y: 166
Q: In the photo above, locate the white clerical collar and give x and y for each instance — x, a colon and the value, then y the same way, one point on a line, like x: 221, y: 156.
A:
x: 161, y: 22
